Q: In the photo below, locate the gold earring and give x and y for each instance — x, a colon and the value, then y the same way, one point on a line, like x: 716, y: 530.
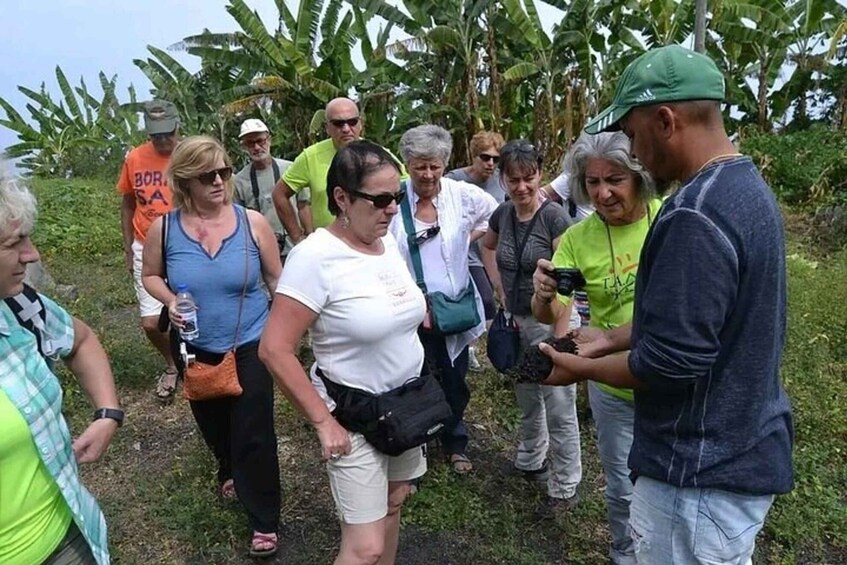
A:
x: 345, y: 221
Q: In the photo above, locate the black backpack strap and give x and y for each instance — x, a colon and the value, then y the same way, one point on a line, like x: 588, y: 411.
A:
x: 165, y: 220
x: 254, y: 182
x: 30, y: 312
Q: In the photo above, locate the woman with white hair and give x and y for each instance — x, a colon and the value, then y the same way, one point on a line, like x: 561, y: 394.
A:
x: 605, y: 247
x: 48, y: 516
x: 438, y: 221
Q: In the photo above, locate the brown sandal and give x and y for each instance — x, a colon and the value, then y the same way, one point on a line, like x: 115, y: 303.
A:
x: 460, y: 462
x: 165, y: 392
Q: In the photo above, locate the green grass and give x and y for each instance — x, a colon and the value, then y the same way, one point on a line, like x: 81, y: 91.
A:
x: 156, y: 484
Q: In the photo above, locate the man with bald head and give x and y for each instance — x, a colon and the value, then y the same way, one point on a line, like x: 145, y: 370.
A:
x: 713, y: 432
x: 343, y: 125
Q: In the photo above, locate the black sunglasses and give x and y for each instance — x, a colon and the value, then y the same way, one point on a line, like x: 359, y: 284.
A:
x: 424, y: 235
x: 208, y: 179
x: 383, y: 200
x: 352, y: 122
x: 162, y: 136
x: 486, y: 157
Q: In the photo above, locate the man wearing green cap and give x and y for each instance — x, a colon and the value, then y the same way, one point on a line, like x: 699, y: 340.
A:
x: 713, y: 431
x: 145, y: 196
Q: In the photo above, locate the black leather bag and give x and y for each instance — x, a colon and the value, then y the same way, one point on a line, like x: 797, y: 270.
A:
x: 504, y: 341
x: 395, y: 421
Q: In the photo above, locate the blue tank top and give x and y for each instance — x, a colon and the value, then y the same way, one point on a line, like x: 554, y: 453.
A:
x: 216, y: 283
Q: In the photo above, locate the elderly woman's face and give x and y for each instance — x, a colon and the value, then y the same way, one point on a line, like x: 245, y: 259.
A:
x: 16, y: 251
x: 522, y: 184
x: 426, y: 176
x: 367, y: 220
x: 613, y: 192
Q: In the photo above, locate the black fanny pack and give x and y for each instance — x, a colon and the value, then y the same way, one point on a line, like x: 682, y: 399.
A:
x: 395, y: 421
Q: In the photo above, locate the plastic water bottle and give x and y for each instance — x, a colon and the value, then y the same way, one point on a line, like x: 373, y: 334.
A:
x: 187, y: 310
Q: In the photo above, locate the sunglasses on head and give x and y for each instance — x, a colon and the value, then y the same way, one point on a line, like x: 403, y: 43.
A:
x: 382, y: 200
x: 352, y: 122
x: 486, y: 157
x: 209, y: 178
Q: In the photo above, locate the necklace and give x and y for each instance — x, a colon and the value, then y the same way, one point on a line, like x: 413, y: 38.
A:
x: 716, y: 158
x: 612, y: 251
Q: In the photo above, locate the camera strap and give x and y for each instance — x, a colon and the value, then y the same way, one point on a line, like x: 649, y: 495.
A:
x: 254, y: 182
x: 519, y: 249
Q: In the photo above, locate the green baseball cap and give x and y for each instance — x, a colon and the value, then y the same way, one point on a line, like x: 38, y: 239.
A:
x: 666, y: 74
x: 160, y: 116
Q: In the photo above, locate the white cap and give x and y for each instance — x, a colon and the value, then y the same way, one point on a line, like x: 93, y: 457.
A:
x: 253, y: 126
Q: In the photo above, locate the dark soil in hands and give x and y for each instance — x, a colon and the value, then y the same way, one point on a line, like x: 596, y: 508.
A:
x: 535, y: 365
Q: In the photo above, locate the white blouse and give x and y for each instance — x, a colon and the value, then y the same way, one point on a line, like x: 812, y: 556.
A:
x: 462, y: 208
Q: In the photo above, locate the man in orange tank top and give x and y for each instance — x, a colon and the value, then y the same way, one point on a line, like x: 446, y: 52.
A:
x: 146, y: 196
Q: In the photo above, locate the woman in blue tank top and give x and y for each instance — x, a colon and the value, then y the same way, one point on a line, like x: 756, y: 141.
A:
x: 222, y: 252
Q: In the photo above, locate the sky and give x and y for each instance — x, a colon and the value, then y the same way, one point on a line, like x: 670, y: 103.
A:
x: 87, y: 36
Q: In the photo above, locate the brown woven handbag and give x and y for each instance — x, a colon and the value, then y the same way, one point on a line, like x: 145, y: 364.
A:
x: 204, y: 381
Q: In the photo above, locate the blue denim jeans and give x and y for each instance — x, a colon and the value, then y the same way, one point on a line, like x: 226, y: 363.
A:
x: 614, y: 417
x: 700, y: 526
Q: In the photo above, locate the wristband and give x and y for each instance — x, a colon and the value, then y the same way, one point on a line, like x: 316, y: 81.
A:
x: 111, y: 413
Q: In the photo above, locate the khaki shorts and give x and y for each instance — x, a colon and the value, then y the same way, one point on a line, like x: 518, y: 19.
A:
x: 147, y: 305
x: 359, y: 480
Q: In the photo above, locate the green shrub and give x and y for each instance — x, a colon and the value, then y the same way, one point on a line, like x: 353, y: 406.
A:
x: 802, y: 167
x: 78, y: 219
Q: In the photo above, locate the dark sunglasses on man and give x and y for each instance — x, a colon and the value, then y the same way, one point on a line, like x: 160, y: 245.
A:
x: 352, y: 122
x: 486, y: 158
x: 382, y: 200
x: 208, y: 179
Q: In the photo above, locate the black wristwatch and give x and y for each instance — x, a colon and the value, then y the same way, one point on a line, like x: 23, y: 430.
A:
x: 111, y: 413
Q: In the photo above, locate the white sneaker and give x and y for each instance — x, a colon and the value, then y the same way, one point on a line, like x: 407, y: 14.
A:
x: 473, y: 363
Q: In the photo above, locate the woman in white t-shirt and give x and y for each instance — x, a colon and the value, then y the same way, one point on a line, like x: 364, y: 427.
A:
x: 348, y: 285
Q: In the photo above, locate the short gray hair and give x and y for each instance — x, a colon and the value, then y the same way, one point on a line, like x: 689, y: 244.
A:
x: 610, y: 146
x: 426, y: 142
x: 17, y: 204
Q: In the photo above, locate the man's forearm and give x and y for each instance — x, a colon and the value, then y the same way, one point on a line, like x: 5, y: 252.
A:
x: 287, y: 216
x: 126, y: 227
x: 619, y: 338
x: 612, y: 370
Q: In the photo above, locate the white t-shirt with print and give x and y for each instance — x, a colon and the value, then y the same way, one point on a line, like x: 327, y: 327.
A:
x: 369, y: 309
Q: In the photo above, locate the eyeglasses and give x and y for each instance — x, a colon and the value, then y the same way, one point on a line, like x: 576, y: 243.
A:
x: 251, y: 142
x: 382, y: 200
x: 420, y: 237
x: 486, y: 158
x: 352, y: 122
x: 208, y: 179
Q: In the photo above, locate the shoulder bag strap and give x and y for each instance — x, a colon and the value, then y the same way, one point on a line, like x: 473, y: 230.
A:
x: 242, y: 213
x: 165, y: 219
x: 519, y: 249
x: 29, y: 311
x: 409, y: 225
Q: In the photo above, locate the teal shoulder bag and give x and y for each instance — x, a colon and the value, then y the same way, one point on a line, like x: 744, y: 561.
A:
x: 447, y: 315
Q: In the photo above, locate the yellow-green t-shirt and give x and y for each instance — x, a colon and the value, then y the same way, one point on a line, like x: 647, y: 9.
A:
x: 309, y: 169
x: 34, y: 516
x: 590, y: 247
